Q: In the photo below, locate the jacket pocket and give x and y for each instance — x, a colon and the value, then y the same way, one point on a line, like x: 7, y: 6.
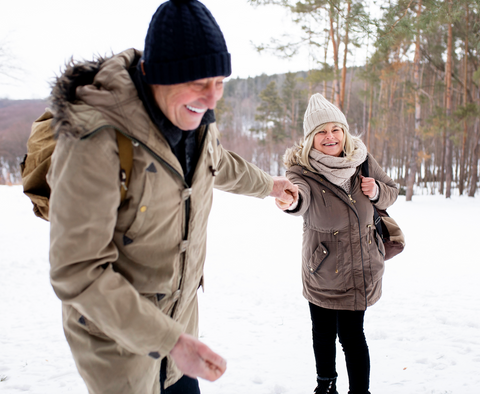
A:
x: 89, y: 326
x: 325, y: 267
x: 318, y: 256
x: 326, y: 199
x: 142, y: 208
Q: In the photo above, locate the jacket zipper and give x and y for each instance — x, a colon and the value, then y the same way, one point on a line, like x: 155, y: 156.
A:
x: 352, y: 201
x: 173, y: 171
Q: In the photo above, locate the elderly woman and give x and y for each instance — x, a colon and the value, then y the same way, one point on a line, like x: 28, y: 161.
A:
x: 342, y: 255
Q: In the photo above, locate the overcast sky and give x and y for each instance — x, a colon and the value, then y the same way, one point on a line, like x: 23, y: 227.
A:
x: 40, y: 35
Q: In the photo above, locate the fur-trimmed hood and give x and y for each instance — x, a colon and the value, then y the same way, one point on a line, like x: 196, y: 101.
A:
x: 64, y: 91
x: 94, y: 85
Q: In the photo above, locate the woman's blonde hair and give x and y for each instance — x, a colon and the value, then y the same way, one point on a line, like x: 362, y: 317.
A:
x: 299, y: 153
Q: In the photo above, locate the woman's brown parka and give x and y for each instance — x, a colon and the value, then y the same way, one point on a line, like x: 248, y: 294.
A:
x: 342, y: 256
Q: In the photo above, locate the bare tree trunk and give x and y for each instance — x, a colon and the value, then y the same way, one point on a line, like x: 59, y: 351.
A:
x: 294, y: 118
x: 345, y: 52
x: 310, y: 88
x: 461, y: 182
x: 474, y: 163
x: 365, y: 109
x: 325, y: 53
x: 475, y: 155
x: 442, y: 168
x: 335, y: 43
x: 385, y: 164
x: 379, y: 134
x: 349, y: 93
x: 413, y: 168
x: 370, y: 111
x: 448, y: 112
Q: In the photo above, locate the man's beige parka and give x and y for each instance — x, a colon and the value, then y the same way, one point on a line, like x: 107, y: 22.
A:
x: 342, y: 255
x: 128, y: 273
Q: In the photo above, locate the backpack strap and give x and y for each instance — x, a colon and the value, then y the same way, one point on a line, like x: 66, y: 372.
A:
x: 125, y: 152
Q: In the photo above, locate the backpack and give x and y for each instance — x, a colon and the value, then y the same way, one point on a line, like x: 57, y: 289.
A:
x: 388, y: 229
x: 36, y: 163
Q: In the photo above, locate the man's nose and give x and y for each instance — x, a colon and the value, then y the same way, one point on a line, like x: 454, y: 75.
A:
x: 212, y: 95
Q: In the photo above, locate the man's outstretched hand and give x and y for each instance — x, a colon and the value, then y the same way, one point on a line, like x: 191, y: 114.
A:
x: 195, y: 359
x: 284, y: 190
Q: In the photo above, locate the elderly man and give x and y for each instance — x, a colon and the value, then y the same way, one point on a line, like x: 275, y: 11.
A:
x: 128, y: 245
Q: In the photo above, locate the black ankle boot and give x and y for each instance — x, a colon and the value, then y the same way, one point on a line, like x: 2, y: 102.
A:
x: 326, y: 386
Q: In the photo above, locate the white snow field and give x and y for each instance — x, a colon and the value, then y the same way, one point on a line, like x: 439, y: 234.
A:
x: 423, y: 335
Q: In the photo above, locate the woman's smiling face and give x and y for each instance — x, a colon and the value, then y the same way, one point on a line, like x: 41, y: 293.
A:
x: 329, y: 140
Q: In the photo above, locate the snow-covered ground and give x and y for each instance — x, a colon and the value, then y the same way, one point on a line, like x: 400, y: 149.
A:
x: 424, y: 334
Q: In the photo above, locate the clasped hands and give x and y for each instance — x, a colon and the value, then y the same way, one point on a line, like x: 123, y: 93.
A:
x: 285, y: 192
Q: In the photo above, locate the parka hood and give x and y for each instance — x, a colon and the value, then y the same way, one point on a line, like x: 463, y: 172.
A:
x: 85, y: 85
x: 64, y: 92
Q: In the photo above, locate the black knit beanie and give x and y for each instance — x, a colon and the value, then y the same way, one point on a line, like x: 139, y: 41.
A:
x: 183, y: 43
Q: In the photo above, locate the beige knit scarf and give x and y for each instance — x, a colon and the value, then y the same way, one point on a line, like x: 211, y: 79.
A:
x: 338, y: 170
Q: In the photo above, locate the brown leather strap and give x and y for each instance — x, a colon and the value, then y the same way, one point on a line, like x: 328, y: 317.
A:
x: 125, y: 152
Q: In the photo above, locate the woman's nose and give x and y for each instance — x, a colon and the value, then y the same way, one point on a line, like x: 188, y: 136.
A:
x: 329, y: 134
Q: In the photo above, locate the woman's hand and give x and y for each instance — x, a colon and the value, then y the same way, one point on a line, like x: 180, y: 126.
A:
x: 369, y: 187
x: 283, y: 205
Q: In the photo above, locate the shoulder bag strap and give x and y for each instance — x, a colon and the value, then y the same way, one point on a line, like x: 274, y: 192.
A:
x: 376, y: 217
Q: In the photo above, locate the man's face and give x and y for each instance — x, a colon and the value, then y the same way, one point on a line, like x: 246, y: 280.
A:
x: 184, y: 104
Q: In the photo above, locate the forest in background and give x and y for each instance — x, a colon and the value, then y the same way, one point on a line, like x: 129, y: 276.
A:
x: 415, y: 100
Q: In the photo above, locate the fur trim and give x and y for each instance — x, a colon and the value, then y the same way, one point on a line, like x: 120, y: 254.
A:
x: 291, y: 155
x: 63, y: 92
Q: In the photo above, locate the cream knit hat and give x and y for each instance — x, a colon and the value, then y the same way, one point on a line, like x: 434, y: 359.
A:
x: 320, y: 111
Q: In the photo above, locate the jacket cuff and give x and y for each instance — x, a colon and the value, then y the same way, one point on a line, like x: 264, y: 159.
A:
x: 268, y: 187
x: 168, y: 341
x: 292, y: 206
x: 296, y: 206
x: 375, y: 198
